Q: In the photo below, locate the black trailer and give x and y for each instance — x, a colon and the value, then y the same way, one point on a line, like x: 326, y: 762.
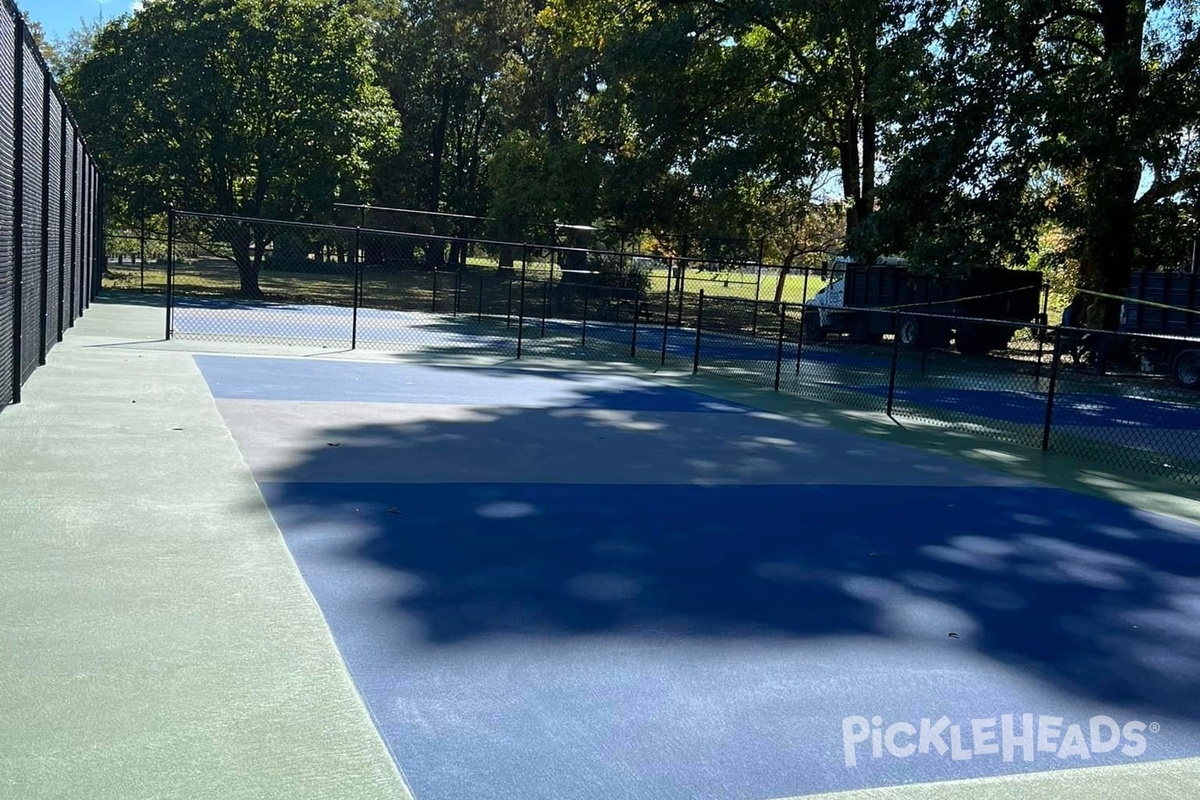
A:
x: 928, y: 311
x: 1163, y: 309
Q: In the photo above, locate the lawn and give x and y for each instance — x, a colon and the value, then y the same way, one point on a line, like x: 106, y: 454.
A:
x: 481, y: 284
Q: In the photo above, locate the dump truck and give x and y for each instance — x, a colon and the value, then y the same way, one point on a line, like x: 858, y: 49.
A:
x: 961, y: 306
x: 1163, y: 310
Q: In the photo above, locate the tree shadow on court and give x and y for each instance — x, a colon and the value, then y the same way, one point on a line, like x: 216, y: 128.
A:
x: 684, y: 525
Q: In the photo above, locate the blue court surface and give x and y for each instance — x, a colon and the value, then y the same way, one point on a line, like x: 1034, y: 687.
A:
x: 580, y: 585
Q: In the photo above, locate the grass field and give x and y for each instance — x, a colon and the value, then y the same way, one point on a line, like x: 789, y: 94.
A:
x: 220, y: 277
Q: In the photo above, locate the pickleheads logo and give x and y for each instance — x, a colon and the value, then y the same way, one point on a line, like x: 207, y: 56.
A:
x: 1008, y: 737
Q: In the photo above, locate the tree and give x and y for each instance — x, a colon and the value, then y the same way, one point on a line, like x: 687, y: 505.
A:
x: 454, y: 76
x: 241, y: 107
x: 1078, y: 113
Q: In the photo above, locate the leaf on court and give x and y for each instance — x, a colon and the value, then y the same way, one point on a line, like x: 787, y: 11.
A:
x: 333, y: 444
x: 393, y: 511
x: 952, y: 635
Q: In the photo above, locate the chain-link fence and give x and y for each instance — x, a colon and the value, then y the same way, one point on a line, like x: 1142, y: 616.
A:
x: 1113, y: 399
x: 50, y: 206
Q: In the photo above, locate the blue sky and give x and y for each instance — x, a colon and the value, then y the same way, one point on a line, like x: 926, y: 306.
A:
x: 59, y: 17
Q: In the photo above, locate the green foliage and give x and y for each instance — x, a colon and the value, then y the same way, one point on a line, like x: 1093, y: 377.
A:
x: 956, y: 133
x: 535, y: 183
x: 247, y: 107
x: 1082, y: 115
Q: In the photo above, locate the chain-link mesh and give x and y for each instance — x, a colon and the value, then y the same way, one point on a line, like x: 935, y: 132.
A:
x: 960, y: 373
x: 1129, y: 401
x: 43, y: 210
x: 1011, y: 380
x: 52, y: 214
x: 8, y: 309
x: 738, y: 340
x: 434, y: 294
x: 262, y: 282
x: 33, y: 137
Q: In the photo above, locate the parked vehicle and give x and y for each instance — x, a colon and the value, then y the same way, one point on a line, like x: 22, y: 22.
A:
x: 1164, y: 307
x: 960, y: 306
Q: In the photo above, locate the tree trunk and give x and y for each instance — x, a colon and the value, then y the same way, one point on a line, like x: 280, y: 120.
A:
x: 248, y: 264
x: 784, y: 269
x: 1108, y: 246
x: 434, y: 252
x: 849, y: 164
x: 866, y: 201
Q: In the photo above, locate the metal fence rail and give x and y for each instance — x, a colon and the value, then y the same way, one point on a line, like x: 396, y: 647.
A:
x: 49, y: 208
x: 1035, y: 385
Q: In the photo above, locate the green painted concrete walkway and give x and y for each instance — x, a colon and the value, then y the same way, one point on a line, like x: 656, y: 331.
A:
x: 157, y: 640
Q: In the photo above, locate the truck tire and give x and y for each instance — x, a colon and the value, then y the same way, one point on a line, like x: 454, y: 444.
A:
x: 911, y: 333
x: 813, y: 331
x: 1185, y: 369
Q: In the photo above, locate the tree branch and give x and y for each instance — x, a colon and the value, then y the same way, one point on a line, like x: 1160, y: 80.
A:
x: 775, y: 29
x: 1071, y: 39
x: 1162, y: 189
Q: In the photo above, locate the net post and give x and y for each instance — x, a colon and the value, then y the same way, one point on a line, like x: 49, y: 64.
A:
x: 891, y: 396
x: 170, y: 269
x: 521, y: 311
x: 583, y: 334
x: 358, y: 285
x: 636, y: 311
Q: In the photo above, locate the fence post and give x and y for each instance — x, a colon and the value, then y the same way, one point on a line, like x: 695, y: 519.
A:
x: 586, y: 293
x: 62, y: 226
x: 521, y: 312
x: 545, y: 303
x: 891, y: 397
x: 779, y: 345
x: 926, y: 333
x: 682, y: 291
x: 637, y: 307
x: 142, y: 234
x: 800, y: 336
x: 508, y: 312
x: 170, y: 268
x: 457, y: 288
x: 757, y: 290
x: 433, y: 308
x: 44, y: 310
x: 479, y: 311
x: 699, y: 325
x: 101, y: 258
x: 1045, y: 327
x: 74, y: 221
x: 1050, y: 391
x: 358, y: 287
x: 18, y: 235
x: 666, y: 319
